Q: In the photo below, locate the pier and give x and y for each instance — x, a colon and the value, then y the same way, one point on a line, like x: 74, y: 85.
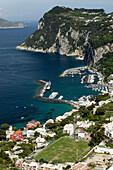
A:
x: 73, y: 71
x: 40, y: 93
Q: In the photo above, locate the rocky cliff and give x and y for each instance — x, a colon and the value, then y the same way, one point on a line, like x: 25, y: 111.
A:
x: 83, y: 32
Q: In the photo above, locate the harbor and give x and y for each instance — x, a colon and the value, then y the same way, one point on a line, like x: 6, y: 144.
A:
x: 73, y: 71
x: 83, y: 101
x: 42, y: 89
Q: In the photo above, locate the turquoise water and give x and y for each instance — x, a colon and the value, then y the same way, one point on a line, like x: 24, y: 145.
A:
x: 19, y: 70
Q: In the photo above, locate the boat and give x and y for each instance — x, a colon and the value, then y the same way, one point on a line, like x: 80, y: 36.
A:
x: 72, y: 75
x: 48, y: 85
x: 53, y: 95
x: 60, y: 98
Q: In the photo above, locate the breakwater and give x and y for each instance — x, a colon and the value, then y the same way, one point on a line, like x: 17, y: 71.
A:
x: 41, y: 90
x: 73, y: 71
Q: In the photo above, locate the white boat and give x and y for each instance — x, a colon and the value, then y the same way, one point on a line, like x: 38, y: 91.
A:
x: 60, y: 98
x: 53, y: 95
x: 48, y: 85
x: 72, y: 75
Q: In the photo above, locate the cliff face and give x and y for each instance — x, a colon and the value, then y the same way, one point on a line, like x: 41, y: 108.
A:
x: 87, y: 33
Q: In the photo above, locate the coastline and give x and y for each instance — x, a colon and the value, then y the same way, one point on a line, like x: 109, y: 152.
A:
x: 40, y: 50
x: 11, y: 27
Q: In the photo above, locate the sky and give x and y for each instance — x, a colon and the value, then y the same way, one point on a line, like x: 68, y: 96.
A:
x: 29, y: 10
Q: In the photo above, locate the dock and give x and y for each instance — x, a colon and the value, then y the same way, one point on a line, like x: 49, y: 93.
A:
x: 73, y: 71
x: 40, y: 93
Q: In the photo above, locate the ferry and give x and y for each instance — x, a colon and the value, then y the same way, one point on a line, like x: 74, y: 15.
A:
x: 53, y: 95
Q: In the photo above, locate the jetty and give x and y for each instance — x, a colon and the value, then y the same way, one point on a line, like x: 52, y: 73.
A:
x: 73, y: 71
x: 41, y: 90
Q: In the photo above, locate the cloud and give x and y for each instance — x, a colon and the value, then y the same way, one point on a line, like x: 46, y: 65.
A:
x: 1, y: 9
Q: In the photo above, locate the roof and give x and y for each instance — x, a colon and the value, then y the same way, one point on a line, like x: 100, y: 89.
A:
x: 33, y: 164
x: 18, y: 131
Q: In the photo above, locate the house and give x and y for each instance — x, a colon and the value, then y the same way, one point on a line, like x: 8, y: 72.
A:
x: 40, y: 130
x: 69, y: 128
x: 9, y: 132
x: 60, y: 118
x: 108, y: 129
x: 30, y: 165
x: 33, y: 124
x: 49, y: 121
x: 49, y: 167
x: 16, y: 135
x: 103, y: 149
x: 80, y: 166
x: 19, y: 162
x: 110, y: 82
x: 85, y: 124
x: 111, y: 76
x: 51, y: 134
x: 30, y: 133
x: 41, y: 142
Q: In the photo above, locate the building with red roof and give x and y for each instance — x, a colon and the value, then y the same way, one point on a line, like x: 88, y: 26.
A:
x: 16, y: 135
x: 33, y: 124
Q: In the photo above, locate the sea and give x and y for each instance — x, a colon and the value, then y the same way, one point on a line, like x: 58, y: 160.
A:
x: 20, y: 69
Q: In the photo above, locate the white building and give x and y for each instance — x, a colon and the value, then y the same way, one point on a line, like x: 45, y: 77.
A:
x: 43, y: 132
x: 60, y: 118
x: 102, y: 149
x: 69, y: 128
x: 81, y: 135
x: 9, y: 132
x: 40, y: 140
x: 30, y: 133
x: 40, y: 130
x: 49, y: 121
x: 110, y: 82
x: 108, y: 129
x: 85, y: 124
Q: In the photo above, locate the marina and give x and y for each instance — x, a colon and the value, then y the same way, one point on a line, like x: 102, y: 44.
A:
x: 73, y: 71
x: 83, y: 101
x: 42, y: 89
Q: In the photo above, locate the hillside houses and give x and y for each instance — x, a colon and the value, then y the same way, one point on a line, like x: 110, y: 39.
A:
x: 108, y: 129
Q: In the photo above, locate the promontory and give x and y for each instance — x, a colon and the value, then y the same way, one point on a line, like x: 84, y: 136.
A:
x: 82, y: 32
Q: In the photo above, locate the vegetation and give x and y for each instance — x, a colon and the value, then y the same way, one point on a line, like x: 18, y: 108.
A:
x: 93, y: 21
x: 64, y: 150
x: 105, y: 65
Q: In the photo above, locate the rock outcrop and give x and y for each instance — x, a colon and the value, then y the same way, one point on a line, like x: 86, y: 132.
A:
x: 81, y: 32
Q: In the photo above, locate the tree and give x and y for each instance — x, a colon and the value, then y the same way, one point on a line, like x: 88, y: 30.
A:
x: 36, y: 134
x: 14, y: 128
x: 100, y: 111
x: 22, y: 128
x: 5, y: 126
x: 51, y: 125
x: 2, y: 134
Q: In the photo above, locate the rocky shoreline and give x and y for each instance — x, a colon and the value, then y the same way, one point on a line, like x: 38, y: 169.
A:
x: 39, y: 50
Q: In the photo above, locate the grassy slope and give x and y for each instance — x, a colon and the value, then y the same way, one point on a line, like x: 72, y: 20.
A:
x: 64, y: 150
